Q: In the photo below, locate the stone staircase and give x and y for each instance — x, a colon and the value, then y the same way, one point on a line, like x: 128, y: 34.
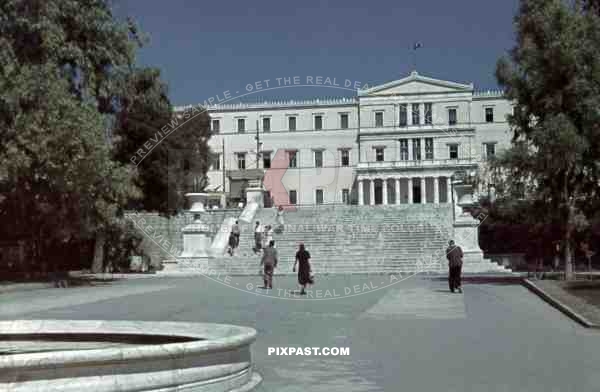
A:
x: 346, y: 239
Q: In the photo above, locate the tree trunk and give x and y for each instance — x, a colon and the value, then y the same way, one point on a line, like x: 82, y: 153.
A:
x: 98, y: 262
x: 569, y: 275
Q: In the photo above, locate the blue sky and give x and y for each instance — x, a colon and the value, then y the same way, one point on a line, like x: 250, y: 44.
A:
x: 205, y: 48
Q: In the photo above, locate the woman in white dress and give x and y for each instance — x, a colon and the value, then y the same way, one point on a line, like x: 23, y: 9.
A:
x: 280, y: 219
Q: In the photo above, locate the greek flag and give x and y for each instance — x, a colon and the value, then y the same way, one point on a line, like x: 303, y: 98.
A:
x: 417, y: 45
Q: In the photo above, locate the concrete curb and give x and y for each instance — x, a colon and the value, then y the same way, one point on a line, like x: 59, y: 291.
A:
x: 559, y: 305
x: 12, y: 287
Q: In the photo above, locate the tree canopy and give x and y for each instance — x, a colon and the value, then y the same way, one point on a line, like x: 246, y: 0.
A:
x: 553, y: 77
x: 73, y: 106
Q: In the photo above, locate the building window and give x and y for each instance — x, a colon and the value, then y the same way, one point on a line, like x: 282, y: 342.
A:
x: 292, y: 123
x: 318, y: 158
x: 403, y: 120
x: 379, y: 157
x: 416, y: 116
x: 293, y: 197
x: 241, y: 158
x: 346, y: 196
x: 216, y: 126
x: 416, y: 149
x: 318, y: 122
x: 379, y: 119
x: 345, y: 157
x: 452, y: 116
x: 428, y: 113
x: 216, y: 162
x: 453, y: 151
x: 489, y: 149
x: 344, y: 121
x: 266, y: 124
x: 319, y: 196
x: 489, y: 115
x: 266, y: 160
x: 241, y: 125
x: 404, y: 149
x: 429, y: 148
x: 292, y: 159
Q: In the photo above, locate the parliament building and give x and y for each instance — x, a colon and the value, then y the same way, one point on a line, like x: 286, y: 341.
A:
x: 396, y: 143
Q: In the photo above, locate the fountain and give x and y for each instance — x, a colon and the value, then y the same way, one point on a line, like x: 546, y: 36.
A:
x: 125, y: 356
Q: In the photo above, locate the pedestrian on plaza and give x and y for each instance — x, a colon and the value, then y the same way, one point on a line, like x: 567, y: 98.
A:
x: 268, y: 235
x: 454, y: 254
x: 236, y: 232
x: 279, y: 228
x: 304, y: 269
x: 258, y: 234
x: 269, y: 262
x: 232, y: 243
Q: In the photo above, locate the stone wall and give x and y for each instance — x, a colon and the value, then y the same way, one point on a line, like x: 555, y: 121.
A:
x: 156, y: 228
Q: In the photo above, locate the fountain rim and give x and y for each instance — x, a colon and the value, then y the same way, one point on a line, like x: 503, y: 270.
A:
x: 214, y: 338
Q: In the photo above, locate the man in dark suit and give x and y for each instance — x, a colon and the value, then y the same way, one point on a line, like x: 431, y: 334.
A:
x: 269, y: 262
x: 454, y: 254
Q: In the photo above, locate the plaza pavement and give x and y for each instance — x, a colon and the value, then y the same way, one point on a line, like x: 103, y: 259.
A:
x: 412, y: 336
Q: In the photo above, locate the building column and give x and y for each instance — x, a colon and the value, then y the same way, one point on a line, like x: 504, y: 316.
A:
x: 410, y: 190
x: 361, y: 195
x: 397, y: 181
x: 410, y: 149
x: 422, y: 145
x: 436, y: 190
x: 384, y: 191
x: 449, y: 190
x: 423, y: 191
x: 372, y: 192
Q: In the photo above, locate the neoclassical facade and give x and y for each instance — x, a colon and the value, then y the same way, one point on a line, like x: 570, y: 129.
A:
x: 397, y: 143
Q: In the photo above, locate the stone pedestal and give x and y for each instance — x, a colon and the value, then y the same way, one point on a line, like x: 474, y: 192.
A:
x: 255, y: 193
x: 466, y: 228
x: 196, y: 236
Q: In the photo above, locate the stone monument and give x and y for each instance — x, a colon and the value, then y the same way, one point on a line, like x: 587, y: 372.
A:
x: 255, y: 193
x: 196, y: 236
x: 466, y: 228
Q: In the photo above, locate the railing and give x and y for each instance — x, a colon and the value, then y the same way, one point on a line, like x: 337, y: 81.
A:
x: 425, y: 163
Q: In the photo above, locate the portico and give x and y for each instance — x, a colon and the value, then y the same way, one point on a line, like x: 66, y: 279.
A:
x: 408, y: 182
x: 395, y: 189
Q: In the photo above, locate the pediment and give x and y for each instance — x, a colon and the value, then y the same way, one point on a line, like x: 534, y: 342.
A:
x: 416, y: 84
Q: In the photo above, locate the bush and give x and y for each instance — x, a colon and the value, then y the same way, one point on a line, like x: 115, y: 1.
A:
x: 122, y: 241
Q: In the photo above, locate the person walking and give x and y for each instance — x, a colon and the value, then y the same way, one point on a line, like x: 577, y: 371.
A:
x: 232, y: 244
x: 304, y: 269
x: 269, y: 262
x: 258, y: 234
x: 454, y: 254
x: 236, y: 233
x: 280, y: 223
x: 268, y: 235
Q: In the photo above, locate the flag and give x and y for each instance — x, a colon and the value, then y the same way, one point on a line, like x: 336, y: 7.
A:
x: 417, y: 45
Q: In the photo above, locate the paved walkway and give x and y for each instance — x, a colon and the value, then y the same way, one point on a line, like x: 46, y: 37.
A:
x: 412, y: 336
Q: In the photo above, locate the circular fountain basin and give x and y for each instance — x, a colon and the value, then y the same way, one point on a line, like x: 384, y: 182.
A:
x: 125, y: 356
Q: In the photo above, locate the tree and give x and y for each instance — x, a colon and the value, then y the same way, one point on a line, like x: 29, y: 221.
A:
x: 67, y: 76
x: 553, y: 78
x: 145, y: 110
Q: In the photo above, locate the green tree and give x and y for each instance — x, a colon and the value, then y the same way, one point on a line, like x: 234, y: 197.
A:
x: 144, y: 111
x: 67, y: 78
x: 553, y: 78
